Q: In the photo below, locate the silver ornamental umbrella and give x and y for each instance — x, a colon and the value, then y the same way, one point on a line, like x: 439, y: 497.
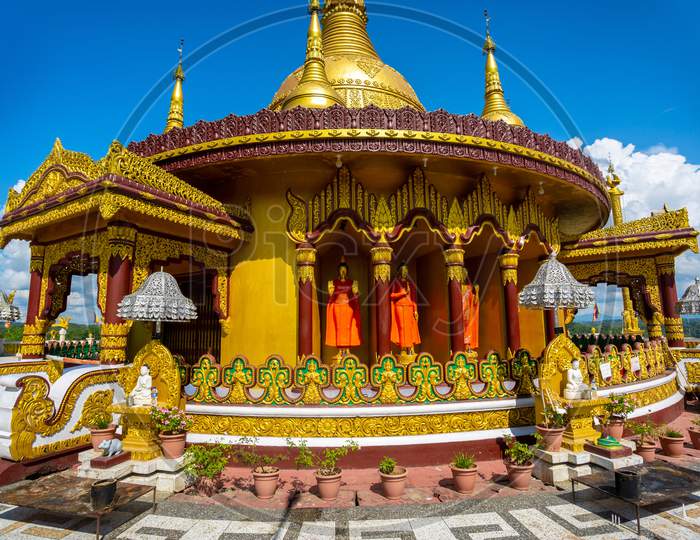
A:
x: 554, y: 287
x: 157, y: 299
x: 690, y: 303
x: 8, y: 312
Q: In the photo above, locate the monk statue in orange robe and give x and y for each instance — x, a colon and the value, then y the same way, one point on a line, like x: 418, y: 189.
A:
x: 343, y: 313
x: 470, y: 304
x: 404, y: 312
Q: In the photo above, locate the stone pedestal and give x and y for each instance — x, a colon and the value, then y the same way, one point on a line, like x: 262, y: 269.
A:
x: 580, y: 428
x: 139, y: 434
x: 555, y: 467
x: 166, y: 475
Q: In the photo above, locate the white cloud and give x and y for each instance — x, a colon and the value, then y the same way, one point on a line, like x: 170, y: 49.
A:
x: 14, y: 271
x: 575, y: 143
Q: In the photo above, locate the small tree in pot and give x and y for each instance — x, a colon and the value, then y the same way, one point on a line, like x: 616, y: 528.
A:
x: 672, y: 442
x: 694, y: 432
x: 647, y: 432
x: 520, y: 461
x: 205, y: 464
x: 463, y: 468
x: 172, y: 425
x: 618, y: 408
x: 265, y: 474
x: 101, y: 429
x: 328, y: 474
x: 393, y: 478
x: 554, y: 420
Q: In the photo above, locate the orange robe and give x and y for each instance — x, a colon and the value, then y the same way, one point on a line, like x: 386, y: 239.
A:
x: 343, y: 316
x: 470, y: 302
x: 404, y: 326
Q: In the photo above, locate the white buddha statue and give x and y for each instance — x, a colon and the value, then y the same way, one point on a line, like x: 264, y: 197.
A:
x: 575, y: 387
x: 141, y: 394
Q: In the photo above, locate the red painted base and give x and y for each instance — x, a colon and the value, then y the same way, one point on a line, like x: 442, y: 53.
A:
x: 11, y: 471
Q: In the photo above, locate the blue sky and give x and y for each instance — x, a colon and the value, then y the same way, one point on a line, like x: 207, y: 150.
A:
x: 622, y: 70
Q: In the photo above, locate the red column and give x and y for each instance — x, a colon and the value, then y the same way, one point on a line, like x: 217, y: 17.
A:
x: 665, y: 270
x: 509, y: 277
x: 33, y: 337
x: 454, y: 260
x: 118, y: 286
x: 306, y: 268
x: 549, y: 325
x: 381, y: 265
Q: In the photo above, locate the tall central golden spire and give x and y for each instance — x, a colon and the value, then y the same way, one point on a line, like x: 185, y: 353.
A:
x: 495, y: 105
x: 314, y: 89
x: 176, y: 115
x: 345, y: 29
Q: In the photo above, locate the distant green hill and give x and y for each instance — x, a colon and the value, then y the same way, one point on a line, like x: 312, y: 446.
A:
x: 75, y: 331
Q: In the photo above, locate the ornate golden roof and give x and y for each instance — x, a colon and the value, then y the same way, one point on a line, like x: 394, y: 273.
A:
x: 353, y: 67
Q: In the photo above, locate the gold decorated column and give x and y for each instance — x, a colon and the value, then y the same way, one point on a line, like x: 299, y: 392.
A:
x: 454, y: 260
x: 306, y: 269
x: 381, y: 270
x: 34, y: 334
x: 666, y: 273
x: 508, y: 263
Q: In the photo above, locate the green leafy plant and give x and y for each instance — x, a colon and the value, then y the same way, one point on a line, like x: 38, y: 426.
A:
x: 463, y: 461
x: 206, y: 461
x: 647, y: 431
x: 520, y: 453
x: 325, y: 459
x: 248, y: 454
x: 102, y: 421
x: 170, y: 421
x: 554, y: 417
x: 696, y: 422
x: 619, y: 406
x: 672, y: 433
x: 387, y: 465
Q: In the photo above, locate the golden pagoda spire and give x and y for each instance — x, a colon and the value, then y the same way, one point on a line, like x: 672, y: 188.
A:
x: 613, y: 181
x: 314, y: 89
x: 176, y: 113
x: 345, y: 29
x: 495, y: 106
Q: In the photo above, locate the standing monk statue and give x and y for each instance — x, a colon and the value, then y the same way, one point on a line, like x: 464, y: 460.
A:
x: 470, y: 304
x: 404, y: 312
x: 343, y: 312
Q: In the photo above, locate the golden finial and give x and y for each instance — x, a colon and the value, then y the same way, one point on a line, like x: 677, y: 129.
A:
x: 345, y: 29
x: 613, y: 182
x: 314, y: 89
x: 176, y: 113
x: 495, y: 105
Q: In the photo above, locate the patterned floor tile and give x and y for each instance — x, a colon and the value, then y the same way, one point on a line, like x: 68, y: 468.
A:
x: 495, y: 525
x: 541, y: 526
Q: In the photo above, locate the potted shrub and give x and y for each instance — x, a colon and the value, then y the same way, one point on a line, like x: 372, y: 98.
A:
x: 463, y: 472
x: 101, y: 430
x: 554, y: 420
x: 520, y: 461
x: 647, y: 432
x: 694, y: 432
x: 205, y: 464
x: 265, y: 474
x: 618, y: 408
x: 672, y: 442
x: 328, y: 474
x: 393, y: 478
x: 172, y: 425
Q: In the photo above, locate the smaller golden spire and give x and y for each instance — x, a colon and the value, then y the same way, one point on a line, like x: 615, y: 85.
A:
x: 495, y: 105
x: 613, y: 182
x: 176, y: 113
x: 314, y: 89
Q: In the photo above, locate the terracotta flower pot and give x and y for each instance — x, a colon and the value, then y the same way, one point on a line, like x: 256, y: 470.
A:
x: 99, y: 435
x: 672, y: 446
x: 328, y: 486
x: 173, y: 446
x: 519, y: 475
x: 464, y: 479
x: 615, y: 427
x: 694, y: 437
x: 394, y: 484
x: 647, y: 451
x: 266, y: 484
x: 551, y: 437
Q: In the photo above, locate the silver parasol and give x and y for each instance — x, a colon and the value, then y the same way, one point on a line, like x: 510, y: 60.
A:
x: 8, y: 311
x: 555, y: 287
x: 157, y: 299
x: 690, y: 303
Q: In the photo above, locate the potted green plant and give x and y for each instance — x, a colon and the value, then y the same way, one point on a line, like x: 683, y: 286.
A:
x: 694, y: 432
x: 520, y: 461
x: 393, y: 478
x: 172, y: 425
x: 265, y: 474
x: 328, y: 474
x: 205, y: 465
x: 101, y: 430
x: 554, y: 420
x: 672, y: 442
x: 647, y: 432
x: 618, y: 408
x: 463, y: 468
